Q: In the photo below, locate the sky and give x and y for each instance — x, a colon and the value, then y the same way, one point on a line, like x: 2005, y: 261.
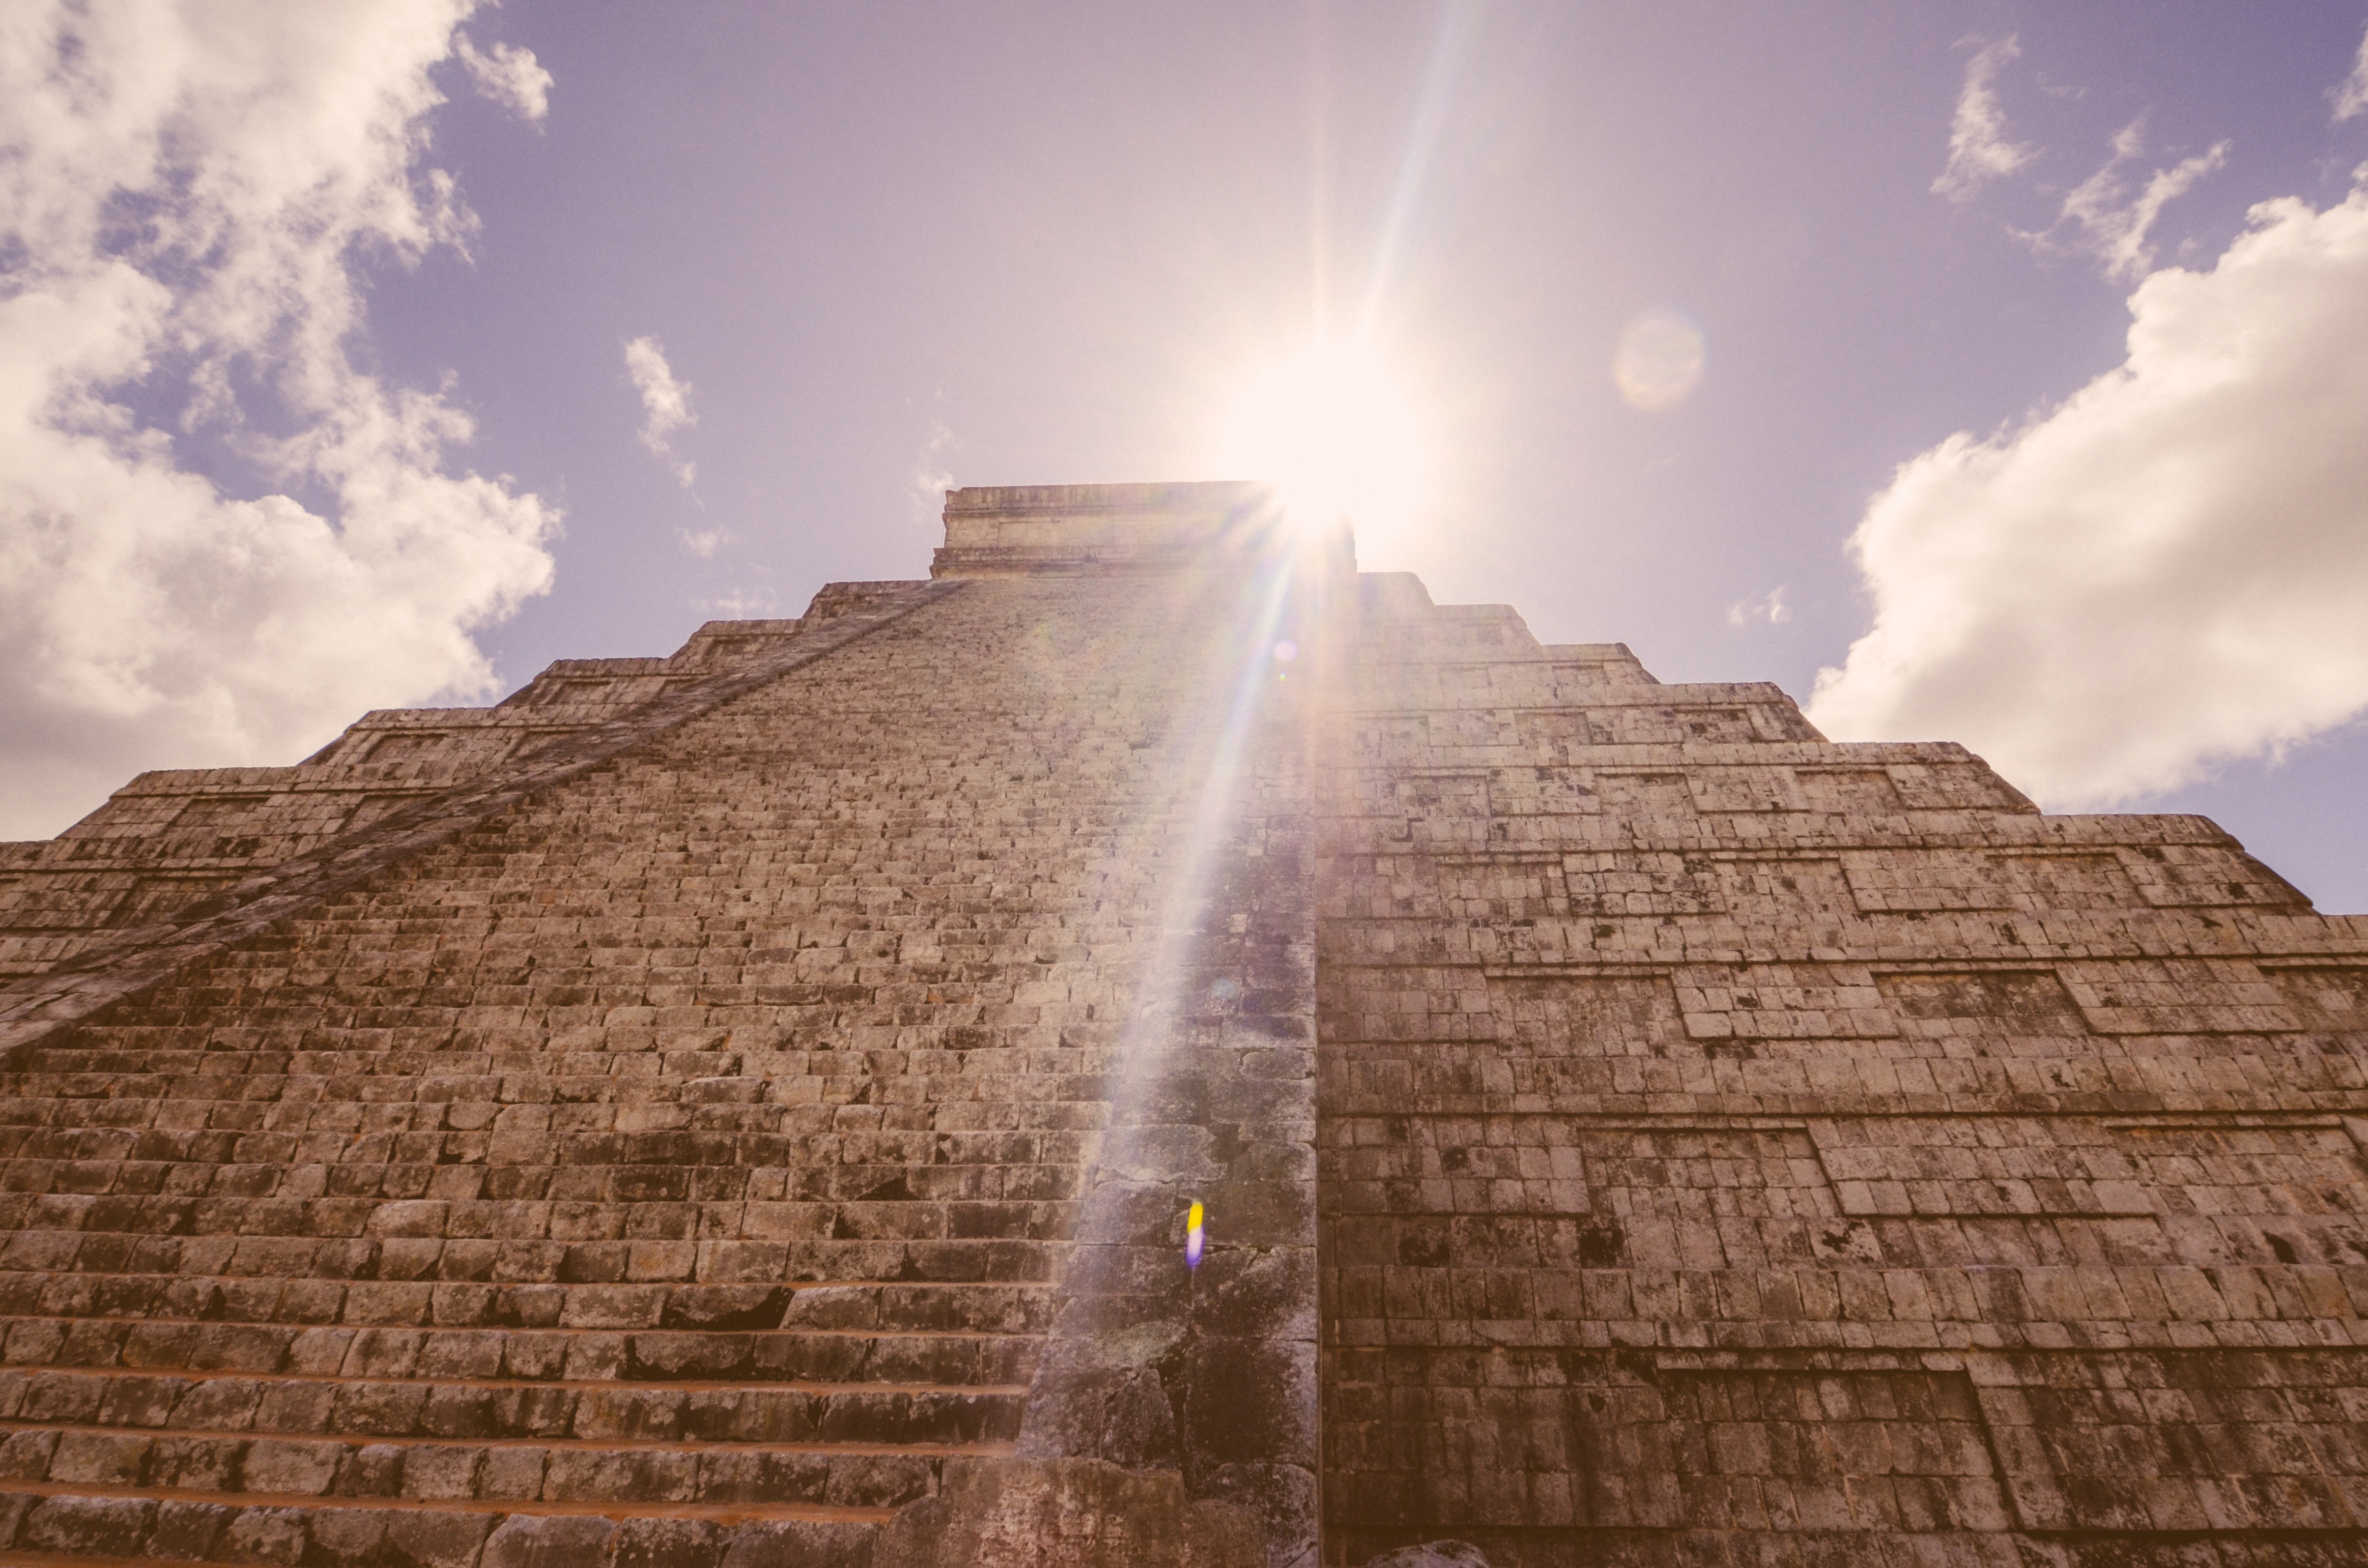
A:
x: 1985, y: 371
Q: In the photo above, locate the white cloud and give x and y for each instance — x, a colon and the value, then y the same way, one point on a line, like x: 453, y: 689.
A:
x: 745, y: 602
x: 149, y: 617
x: 931, y: 478
x: 666, y: 404
x: 509, y: 75
x: 2168, y: 570
x: 1978, y: 150
x: 1768, y: 606
x: 2113, y: 222
x: 2352, y: 97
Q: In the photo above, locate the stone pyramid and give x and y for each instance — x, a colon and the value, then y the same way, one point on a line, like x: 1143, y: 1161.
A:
x: 740, y: 1111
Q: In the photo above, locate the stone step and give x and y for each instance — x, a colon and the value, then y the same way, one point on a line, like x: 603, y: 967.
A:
x: 529, y: 1260
x: 824, y: 1164
x: 532, y: 1355
x: 437, y: 1034
x: 845, y: 1473
x: 341, y: 1200
x: 431, y: 1135
x: 1074, y: 1073
x: 1018, y: 1098
x: 517, y: 1026
x: 52, y: 1527
x: 266, y: 1292
x: 516, y: 1136
x: 485, y: 1012
x: 532, y: 1165
x: 959, y: 1200
x: 457, y: 1045
x: 475, y: 1409
x: 398, y: 1104
x: 509, y: 1240
x: 821, y: 1182
x: 403, y: 1106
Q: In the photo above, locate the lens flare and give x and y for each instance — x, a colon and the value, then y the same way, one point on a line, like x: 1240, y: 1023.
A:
x: 1660, y: 362
x: 1192, y: 1236
x: 1335, y: 433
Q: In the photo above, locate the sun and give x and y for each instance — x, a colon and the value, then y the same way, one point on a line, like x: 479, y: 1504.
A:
x: 1337, y: 435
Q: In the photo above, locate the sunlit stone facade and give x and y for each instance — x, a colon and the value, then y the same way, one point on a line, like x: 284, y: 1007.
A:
x: 739, y: 1110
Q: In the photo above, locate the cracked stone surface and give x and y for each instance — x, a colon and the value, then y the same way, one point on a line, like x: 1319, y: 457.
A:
x: 738, y: 1110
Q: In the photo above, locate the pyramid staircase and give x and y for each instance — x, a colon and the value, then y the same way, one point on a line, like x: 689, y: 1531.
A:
x: 428, y: 1226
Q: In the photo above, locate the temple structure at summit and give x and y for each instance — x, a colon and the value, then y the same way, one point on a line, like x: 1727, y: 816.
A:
x: 741, y: 1109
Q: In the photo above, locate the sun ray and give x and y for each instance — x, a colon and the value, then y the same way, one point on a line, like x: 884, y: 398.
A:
x: 1431, y: 113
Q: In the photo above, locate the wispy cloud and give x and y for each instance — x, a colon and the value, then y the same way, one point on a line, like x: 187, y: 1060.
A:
x: 1768, y: 608
x: 665, y: 402
x: 2352, y: 97
x: 931, y: 478
x: 509, y: 74
x: 2114, y: 222
x: 1978, y: 150
x: 2167, y: 570
x: 745, y: 602
x: 151, y: 615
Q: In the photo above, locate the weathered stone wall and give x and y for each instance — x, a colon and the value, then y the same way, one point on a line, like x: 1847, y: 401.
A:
x: 782, y: 1114
x: 1738, y: 1146
x: 738, y: 1110
x: 171, y: 839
